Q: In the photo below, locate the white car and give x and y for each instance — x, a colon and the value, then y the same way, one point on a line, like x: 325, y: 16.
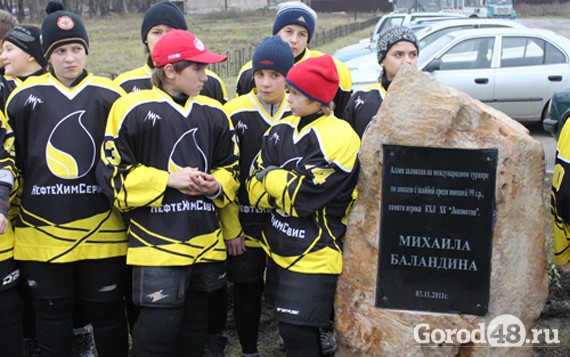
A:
x: 433, y: 31
x: 362, y: 67
x: 392, y: 19
x: 515, y: 70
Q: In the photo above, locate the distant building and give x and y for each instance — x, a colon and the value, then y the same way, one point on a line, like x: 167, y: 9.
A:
x: 351, y: 5
x: 206, y: 6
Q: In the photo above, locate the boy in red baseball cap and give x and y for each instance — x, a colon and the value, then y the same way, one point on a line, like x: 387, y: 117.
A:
x: 170, y: 155
x: 306, y: 176
x: 158, y: 19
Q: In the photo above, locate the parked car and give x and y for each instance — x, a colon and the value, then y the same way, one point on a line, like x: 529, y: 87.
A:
x: 559, y: 112
x: 515, y: 70
x: 433, y: 31
x: 367, y: 46
x: 427, y: 32
x: 398, y: 19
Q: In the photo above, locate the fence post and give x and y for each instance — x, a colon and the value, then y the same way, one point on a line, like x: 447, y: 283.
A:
x: 241, y: 56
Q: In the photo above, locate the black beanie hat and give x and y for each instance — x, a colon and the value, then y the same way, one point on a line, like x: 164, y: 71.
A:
x: 61, y: 28
x: 27, y: 38
x: 162, y: 13
x: 53, y: 6
x: 273, y: 53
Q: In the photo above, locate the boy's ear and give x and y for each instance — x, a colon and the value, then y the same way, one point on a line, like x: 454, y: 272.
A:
x: 169, y: 71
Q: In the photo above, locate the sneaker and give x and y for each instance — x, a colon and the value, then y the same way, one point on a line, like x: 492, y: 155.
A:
x: 83, y: 344
x: 215, y: 345
x: 328, y: 341
x: 280, y: 343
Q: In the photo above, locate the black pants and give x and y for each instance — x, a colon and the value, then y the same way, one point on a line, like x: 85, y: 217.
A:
x: 54, y: 317
x: 11, y: 330
x: 99, y: 283
x: 247, y: 312
x: 176, y: 331
x: 217, y: 310
x: 301, y: 341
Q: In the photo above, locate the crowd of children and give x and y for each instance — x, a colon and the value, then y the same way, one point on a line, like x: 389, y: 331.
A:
x: 135, y: 199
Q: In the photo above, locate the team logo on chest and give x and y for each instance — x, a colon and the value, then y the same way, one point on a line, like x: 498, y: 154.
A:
x: 358, y: 102
x: 70, y: 150
x: 275, y: 138
x: 187, y: 152
x: 33, y: 101
x: 152, y: 116
x: 241, y: 126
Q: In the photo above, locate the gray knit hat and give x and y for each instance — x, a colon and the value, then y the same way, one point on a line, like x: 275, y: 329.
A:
x: 390, y: 36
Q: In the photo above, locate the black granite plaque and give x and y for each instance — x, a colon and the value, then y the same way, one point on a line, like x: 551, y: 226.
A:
x: 436, y: 229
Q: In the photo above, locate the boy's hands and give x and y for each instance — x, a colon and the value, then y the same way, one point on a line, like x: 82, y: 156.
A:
x: 236, y: 246
x: 193, y: 182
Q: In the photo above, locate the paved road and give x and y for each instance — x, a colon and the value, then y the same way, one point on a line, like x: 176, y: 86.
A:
x: 559, y: 25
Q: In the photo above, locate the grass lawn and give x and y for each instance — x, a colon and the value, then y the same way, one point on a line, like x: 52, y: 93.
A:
x: 116, y: 46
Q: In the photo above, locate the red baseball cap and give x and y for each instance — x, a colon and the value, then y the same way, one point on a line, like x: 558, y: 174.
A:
x: 181, y: 45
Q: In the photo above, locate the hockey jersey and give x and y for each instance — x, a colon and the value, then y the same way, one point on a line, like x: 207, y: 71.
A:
x: 148, y: 136
x: 251, y: 120
x: 560, y: 199
x: 363, y: 106
x: 53, y: 135
x: 310, y: 190
x: 6, y: 239
x: 7, y: 85
x: 139, y: 79
x: 245, y: 81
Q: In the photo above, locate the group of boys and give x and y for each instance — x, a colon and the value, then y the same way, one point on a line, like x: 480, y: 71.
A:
x: 152, y: 199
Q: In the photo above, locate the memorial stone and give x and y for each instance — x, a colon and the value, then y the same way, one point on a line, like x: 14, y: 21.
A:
x: 377, y: 310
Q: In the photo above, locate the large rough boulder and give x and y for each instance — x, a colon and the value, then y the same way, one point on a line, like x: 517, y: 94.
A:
x: 419, y: 111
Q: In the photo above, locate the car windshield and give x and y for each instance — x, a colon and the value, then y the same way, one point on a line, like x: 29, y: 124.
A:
x: 422, y: 30
x: 428, y: 52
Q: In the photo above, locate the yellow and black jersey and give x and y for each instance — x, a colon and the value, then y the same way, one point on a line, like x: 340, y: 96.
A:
x: 148, y: 136
x: 6, y: 239
x: 245, y: 82
x: 560, y: 198
x: 310, y: 188
x: 139, y: 79
x: 7, y: 85
x: 362, y: 106
x: 52, y: 138
x: 251, y: 120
